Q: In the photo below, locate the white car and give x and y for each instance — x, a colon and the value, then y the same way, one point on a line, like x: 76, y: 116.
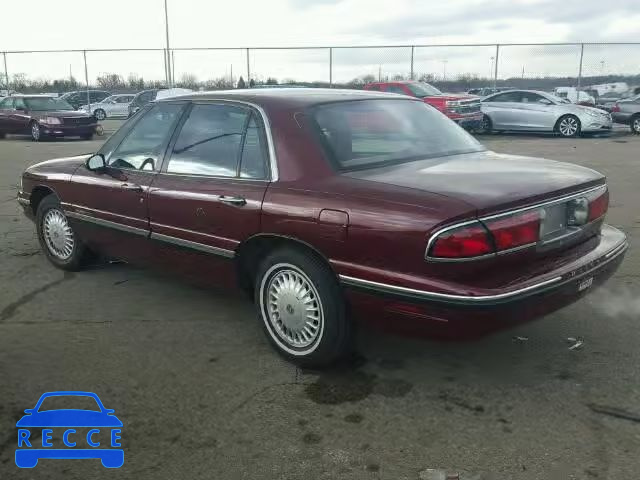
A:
x: 113, y: 106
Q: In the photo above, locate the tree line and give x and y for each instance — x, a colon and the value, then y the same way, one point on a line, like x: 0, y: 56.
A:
x: 133, y: 83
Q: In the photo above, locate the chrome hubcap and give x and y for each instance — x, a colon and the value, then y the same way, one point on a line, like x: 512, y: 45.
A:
x: 636, y: 125
x: 35, y: 131
x: 57, y: 234
x: 293, y: 307
x: 568, y: 126
x: 100, y: 115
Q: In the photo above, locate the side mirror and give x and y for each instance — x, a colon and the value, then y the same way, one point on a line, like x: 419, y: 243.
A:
x: 95, y: 163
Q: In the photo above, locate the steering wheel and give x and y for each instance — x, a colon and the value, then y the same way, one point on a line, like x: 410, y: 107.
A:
x: 147, y: 161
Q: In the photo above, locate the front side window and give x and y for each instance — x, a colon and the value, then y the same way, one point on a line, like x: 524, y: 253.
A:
x: 144, y: 146
x: 505, y: 97
x: 47, y: 104
x: 395, y: 89
x: 372, y: 133
x: 210, y: 141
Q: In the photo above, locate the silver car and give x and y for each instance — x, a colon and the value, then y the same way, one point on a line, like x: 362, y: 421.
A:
x: 113, y: 106
x: 535, y: 111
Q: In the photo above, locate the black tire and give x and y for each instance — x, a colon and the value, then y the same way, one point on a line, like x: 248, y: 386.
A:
x: 634, y: 124
x: 35, y: 131
x: 100, y: 114
x: 79, y: 253
x: 334, y: 338
x: 568, y: 126
x: 487, y: 124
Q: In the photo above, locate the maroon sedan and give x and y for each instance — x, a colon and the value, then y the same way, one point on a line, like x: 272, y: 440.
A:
x: 328, y: 205
x: 41, y: 116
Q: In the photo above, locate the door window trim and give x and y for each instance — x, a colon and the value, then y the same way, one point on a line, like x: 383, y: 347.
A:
x: 263, y: 125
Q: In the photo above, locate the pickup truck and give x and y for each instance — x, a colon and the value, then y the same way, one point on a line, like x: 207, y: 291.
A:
x: 461, y: 108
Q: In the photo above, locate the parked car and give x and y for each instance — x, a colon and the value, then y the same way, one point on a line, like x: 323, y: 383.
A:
x: 79, y: 98
x: 462, y: 109
x: 627, y: 112
x: 535, y: 111
x: 113, y: 106
x: 485, y: 91
x: 328, y: 204
x: 41, y: 116
x: 607, y: 100
x: 146, y: 96
x: 574, y: 95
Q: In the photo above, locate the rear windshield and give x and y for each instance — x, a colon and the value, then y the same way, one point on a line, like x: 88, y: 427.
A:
x: 372, y: 133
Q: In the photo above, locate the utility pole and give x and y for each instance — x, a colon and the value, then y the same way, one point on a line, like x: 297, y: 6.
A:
x: 379, y: 73
x: 231, y: 76
x: 6, y: 75
x: 166, y: 27
x: 580, y: 66
x: 444, y: 70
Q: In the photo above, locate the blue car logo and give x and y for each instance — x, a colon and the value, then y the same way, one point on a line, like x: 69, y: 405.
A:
x: 102, y: 436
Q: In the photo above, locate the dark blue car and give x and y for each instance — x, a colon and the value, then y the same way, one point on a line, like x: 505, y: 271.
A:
x: 27, y: 455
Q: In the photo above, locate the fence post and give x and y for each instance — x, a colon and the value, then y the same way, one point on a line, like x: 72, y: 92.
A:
x: 412, y: 51
x: 495, y: 73
x: 580, y: 67
x: 330, y: 67
x: 86, y: 78
x: 6, y: 75
x: 248, y: 69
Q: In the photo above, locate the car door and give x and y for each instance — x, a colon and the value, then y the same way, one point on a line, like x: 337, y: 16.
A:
x: 120, y: 107
x: 503, y: 110
x: 208, y: 196
x: 538, y: 112
x: 110, y: 207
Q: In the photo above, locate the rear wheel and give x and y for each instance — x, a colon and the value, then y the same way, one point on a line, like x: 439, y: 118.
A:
x: 100, y: 114
x: 302, y: 308
x: 568, y: 126
x: 635, y: 124
x: 59, y: 242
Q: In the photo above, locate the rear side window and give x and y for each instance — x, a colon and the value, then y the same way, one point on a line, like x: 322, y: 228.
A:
x: 373, y: 87
x: 6, y: 104
x: 253, y: 161
x: 395, y: 89
x: 506, y: 97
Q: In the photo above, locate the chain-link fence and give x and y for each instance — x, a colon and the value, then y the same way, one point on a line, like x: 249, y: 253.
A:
x: 454, y: 68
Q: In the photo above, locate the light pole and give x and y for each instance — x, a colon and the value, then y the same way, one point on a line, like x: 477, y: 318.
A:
x: 491, y: 71
x: 444, y: 70
x: 166, y: 27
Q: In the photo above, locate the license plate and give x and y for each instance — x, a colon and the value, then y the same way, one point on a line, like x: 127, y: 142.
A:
x: 584, y: 284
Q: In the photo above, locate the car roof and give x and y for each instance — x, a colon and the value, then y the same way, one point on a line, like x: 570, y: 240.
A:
x: 298, y: 97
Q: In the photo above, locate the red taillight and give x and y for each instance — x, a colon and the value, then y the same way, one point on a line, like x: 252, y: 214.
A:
x: 515, y: 230
x: 469, y: 241
x: 598, y: 206
x: 615, y: 108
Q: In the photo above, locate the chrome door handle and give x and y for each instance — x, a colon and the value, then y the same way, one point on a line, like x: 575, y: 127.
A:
x: 131, y: 187
x: 237, y: 201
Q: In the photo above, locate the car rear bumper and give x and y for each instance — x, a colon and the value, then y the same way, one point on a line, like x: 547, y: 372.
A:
x: 534, y: 298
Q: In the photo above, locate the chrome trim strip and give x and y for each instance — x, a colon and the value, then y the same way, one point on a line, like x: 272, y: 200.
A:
x: 488, y: 299
x: 106, y: 223
x: 81, y: 207
x: 440, y: 231
x: 194, y: 245
x: 186, y: 230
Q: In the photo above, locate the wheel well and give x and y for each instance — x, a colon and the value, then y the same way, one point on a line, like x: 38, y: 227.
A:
x: 37, y: 194
x: 253, y: 250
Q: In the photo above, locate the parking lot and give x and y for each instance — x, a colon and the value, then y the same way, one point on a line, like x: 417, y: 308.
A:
x: 202, y: 394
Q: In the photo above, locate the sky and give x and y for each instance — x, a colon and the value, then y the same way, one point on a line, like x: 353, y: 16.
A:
x: 117, y: 24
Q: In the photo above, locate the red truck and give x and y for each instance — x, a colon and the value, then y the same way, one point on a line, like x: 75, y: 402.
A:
x: 463, y: 109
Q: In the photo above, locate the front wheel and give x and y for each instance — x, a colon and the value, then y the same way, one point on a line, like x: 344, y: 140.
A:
x: 568, y: 126
x: 57, y: 239
x: 486, y: 126
x: 302, y: 308
x: 100, y: 114
x: 36, y: 132
x: 635, y: 124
